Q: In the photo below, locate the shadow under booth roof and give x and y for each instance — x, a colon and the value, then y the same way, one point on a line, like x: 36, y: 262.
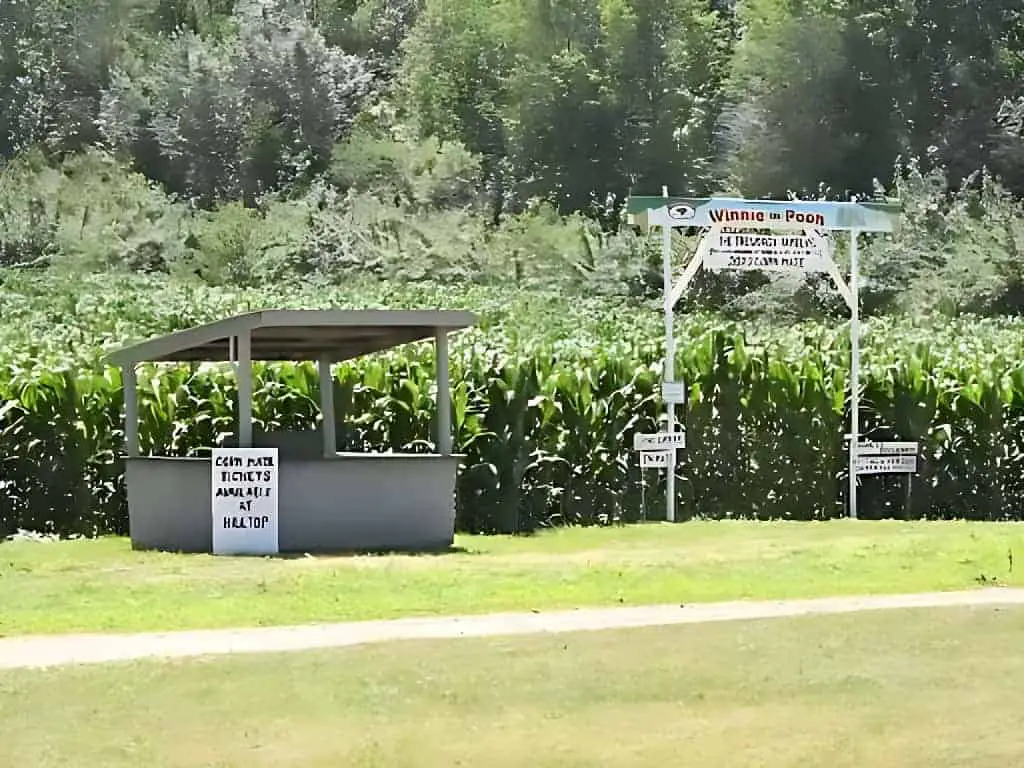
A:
x: 326, y: 501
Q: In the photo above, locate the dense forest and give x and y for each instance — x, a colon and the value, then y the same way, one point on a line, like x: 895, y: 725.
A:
x: 244, y: 142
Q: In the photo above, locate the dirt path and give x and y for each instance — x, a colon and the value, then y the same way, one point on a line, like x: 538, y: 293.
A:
x: 47, y: 651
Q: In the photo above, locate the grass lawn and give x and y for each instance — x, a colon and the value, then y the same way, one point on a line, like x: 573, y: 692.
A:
x: 103, y: 585
x: 906, y: 689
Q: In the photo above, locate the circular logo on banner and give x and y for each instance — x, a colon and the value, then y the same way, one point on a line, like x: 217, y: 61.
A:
x: 681, y: 211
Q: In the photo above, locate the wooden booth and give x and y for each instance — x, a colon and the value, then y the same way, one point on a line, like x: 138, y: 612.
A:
x: 317, y: 499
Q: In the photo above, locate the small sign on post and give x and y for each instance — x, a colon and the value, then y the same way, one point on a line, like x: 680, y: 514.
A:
x: 673, y: 392
x: 660, y: 441
x: 886, y: 465
x: 244, y: 504
x: 892, y: 458
x: 655, y: 459
x: 907, y: 448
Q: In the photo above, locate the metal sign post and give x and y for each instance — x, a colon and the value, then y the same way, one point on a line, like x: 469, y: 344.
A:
x: 791, y: 237
x: 854, y: 375
x: 669, y: 370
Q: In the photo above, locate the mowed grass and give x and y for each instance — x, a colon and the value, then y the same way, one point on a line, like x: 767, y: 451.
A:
x: 906, y: 689
x: 103, y: 585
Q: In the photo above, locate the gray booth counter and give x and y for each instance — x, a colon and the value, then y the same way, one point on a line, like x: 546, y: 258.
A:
x: 327, y: 501
x: 355, y: 502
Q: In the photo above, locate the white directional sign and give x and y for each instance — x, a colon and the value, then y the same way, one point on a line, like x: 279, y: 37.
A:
x: 661, y: 441
x: 673, y: 392
x: 770, y: 253
x: 904, y: 448
x: 886, y: 465
x: 655, y: 459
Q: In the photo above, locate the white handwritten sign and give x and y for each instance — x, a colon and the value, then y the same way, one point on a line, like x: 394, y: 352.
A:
x: 244, y: 501
x: 904, y: 448
x: 661, y: 441
x: 655, y: 459
x: 771, y: 253
x: 896, y: 464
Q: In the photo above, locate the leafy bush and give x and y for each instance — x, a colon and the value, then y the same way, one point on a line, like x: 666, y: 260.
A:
x: 233, y: 118
x: 955, y: 251
x: 90, y: 213
x: 426, y: 174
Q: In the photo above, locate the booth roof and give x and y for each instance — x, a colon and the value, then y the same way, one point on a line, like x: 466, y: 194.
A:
x: 297, y: 335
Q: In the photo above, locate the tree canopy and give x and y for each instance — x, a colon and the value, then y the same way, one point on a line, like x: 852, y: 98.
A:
x: 319, y: 120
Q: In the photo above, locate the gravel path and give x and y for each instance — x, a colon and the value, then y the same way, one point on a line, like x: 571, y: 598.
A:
x: 57, y: 650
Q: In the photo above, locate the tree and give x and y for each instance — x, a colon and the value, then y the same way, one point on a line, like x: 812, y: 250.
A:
x: 808, y: 103
x: 223, y: 120
x: 55, y: 60
x: 953, y: 63
x: 570, y: 101
x: 373, y: 29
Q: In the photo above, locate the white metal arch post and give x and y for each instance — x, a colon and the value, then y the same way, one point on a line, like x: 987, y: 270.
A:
x: 812, y: 219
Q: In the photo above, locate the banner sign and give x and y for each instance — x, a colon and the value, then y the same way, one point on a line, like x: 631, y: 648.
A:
x: 245, y: 487
x: 752, y: 244
x: 776, y: 214
x: 770, y: 253
x: 718, y: 260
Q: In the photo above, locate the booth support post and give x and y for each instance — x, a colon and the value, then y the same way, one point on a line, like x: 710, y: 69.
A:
x: 327, y: 407
x: 854, y: 371
x: 131, y: 410
x: 669, y: 368
x: 243, y: 374
x: 444, y: 396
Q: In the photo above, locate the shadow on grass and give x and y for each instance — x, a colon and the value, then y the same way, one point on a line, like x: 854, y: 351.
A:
x: 332, y: 553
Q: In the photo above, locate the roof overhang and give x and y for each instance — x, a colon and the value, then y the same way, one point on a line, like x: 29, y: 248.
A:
x: 297, y: 335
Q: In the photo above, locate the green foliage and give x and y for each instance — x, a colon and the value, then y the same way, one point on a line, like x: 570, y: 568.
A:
x: 577, y: 100
x: 954, y: 253
x: 54, y: 59
x: 427, y: 174
x: 223, y: 120
x: 831, y: 93
x: 91, y: 213
x: 374, y: 29
x: 788, y: 127
x: 572, y: 102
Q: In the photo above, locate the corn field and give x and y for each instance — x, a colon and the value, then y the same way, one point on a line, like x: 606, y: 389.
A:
x: 546, y: 424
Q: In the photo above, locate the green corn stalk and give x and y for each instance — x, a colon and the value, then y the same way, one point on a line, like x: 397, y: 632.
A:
x: 544, y: 412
